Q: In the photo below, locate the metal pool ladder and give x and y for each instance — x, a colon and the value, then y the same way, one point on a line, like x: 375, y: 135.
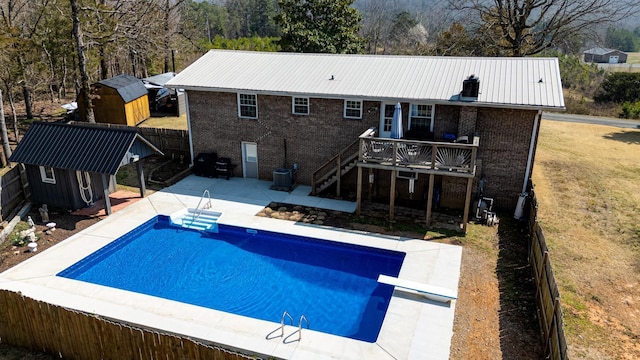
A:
x: 302, y: 317
x: 285, y: 313
x: 299, y: 331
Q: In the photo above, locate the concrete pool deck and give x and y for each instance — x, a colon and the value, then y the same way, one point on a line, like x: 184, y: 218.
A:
x: 413, y: 328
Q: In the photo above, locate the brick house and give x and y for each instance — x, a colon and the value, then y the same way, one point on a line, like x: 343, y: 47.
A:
x: 464, y: 119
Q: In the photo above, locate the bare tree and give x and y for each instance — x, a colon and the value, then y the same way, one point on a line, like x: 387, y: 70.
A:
x: 170, y: 10
x: 82, y: 63
x: 527, y: 27
x: 6, y: 149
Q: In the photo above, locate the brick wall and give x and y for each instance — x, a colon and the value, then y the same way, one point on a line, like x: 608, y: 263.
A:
x: 467, y: 122
x: 310, y: 140
x: 505, y: 136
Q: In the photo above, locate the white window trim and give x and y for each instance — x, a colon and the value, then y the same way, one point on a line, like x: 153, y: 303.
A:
x: 432, y: 116
x: 240, y: 106
x: 44, y: 177
x: 293, y: 105
x: 345, y: 109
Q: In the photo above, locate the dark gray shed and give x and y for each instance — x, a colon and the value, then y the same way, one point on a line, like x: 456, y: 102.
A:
x: 605, y: 56
x: 72, y: 166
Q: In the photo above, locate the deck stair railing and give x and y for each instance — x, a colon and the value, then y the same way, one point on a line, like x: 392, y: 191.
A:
x: 332, y: 171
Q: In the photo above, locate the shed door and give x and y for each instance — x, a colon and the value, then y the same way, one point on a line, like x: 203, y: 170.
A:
x: 250, y: 160
x: 613, y: 59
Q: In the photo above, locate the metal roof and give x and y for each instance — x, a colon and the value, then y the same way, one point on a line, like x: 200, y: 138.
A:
x: 129, y: 87
x: 160, y: 79
x: 76, y: 147
x: 505, y: 82
x: 600, y: 51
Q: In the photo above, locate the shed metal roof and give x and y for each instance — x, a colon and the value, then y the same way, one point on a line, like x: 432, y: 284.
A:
x: 600, y: 51
x: 76, y: 147
x: 160, y: 79
x: 504, y: 82
x: 129, y: 87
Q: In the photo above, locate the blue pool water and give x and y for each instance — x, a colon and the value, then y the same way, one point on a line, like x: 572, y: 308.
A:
x: 257, y: 274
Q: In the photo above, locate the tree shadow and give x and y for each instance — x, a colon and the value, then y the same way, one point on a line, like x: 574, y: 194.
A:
x: 520, y: 336
x: 628, y: 137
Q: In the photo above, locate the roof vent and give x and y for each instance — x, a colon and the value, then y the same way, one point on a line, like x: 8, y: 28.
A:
x: 470, y: 88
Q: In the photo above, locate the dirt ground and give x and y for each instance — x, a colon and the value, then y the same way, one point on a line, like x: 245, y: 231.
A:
x: 495, y: 314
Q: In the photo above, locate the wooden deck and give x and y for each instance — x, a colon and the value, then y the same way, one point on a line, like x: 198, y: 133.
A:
x: 425, y: 157
x: 413, y: 157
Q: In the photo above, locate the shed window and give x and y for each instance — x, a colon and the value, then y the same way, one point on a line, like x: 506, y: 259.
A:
x: 248, y: 106
x: 47, y: 175
x: 421, y: 117
x: 300, y: 105
x: 353, y: 109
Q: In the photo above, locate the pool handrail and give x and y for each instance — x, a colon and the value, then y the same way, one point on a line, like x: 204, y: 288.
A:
x: 207, y: 205
x: 300, y: 326
x: 285, y: 313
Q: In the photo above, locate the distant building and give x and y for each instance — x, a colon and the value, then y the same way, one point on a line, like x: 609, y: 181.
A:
x: 604, y: 56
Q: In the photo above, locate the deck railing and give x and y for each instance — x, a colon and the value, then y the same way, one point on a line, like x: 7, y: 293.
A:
x: 458, y: 159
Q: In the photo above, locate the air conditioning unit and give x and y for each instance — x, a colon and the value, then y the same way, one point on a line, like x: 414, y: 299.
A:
x: 282, y: 179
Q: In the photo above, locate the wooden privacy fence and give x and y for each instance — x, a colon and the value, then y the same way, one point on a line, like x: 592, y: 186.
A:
x: 74, y: 335
x: 173, y: 143
x: 12, y: 191
x: 547, y: 295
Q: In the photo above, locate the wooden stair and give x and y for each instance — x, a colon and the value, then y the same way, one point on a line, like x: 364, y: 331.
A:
x: 332, y: 171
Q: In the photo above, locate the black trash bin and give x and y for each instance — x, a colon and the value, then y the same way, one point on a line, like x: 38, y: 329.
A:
x: 205, y: 164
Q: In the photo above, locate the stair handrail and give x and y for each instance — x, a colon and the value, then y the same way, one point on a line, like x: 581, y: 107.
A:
x: 207, y: 205
x: 331, y: 164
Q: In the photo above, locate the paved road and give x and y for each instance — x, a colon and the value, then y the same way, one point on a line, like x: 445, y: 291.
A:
x: 585, y: 119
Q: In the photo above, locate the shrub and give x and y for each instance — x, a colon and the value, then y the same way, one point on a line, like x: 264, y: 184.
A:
x: 619, y: 87
x: 630, y: 110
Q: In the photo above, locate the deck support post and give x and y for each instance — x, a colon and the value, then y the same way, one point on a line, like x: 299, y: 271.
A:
x: 338, y: 175
x: 467, y: 201
x: 359, y: 192
x: 430, y: 199
x: 392, y: 195
x: 370, y: 194
x: 105, y: 189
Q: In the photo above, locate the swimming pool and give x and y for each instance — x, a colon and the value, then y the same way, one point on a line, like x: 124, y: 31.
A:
x: 259, y: 274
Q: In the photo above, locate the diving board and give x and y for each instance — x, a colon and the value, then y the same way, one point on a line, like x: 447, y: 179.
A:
x: 434, y: 292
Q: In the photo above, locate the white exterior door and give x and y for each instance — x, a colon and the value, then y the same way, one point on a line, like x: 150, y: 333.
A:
x: 386, y: 118
x: 613, y: 59
x: 250, y: 160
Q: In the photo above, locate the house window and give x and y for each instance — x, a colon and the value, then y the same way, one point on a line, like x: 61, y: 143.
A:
x: 421, y: 117
x: 47, y: 175
x: 300, y: 105
x: 248, y: 106
x: 353, y: 109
